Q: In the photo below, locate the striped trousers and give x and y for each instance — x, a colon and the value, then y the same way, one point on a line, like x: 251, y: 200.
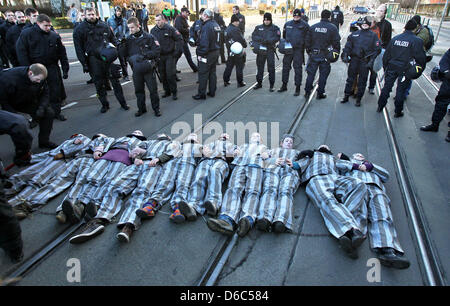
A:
x: 340, y: 201
x: 381, y: 228
x: 244, y: 179
x: 207, y: 184
x: 277, y: 198
x: 166, y: 183
x: 145, y: 185
x: 185, y: 172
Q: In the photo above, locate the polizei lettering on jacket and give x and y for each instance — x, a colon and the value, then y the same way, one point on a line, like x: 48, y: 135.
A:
x: 321, y: 30
x: 401, y: 43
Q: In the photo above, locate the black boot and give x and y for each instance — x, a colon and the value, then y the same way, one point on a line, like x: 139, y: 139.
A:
x: 258, y: 86
x: 358, y: 102
x: 391, y: 258
x: 433, y: 127
x: 283, y: 87
x: 297, y: 91
x: 345, y: 100
x: 321, y: 96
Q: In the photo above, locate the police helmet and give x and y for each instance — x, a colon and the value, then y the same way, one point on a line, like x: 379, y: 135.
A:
x: 333, y: 55
x: 414, y: 70
x: 237, y: 49
x: 109, y: 54
x: 282, y: 47
x: 435, y: 74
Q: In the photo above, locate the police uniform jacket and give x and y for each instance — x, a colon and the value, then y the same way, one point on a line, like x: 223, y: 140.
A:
x: 234, y: 34
x: 89, y: 38
x: 267, y: 36
x: 209, y: 38
x: 337, y: 17
x: 144, y: 44
x: 11, y: 38
x: 295, y: 33
x: 168, y: 37
x: 402, y: 49
x: 194, y: 31
x: 321, y: 36
x: 37, y: 46
x: 363, y: 44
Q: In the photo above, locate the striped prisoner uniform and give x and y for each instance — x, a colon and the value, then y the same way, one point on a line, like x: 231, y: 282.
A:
x: 381, y: 227
x: 279, y: 186
x: 247, y: 176
x: 340, y: 199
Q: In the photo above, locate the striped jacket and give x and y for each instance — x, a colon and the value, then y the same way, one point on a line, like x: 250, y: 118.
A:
x: 190, y: 153
x: 279, y: 153
x: 250, y: 154
x: 221, y: 149
x: 377, y: 176
x: 324, y: 164
x: 126, y: 143
x: 155, y: 148
x: 68, y: 148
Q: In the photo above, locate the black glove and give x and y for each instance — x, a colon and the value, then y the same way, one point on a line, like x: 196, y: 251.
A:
x: 345, y: 58
x: 305, y: 153
x: 65, y: 75
x: 85, y: 68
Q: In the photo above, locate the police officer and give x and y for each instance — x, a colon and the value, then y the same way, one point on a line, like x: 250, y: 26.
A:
x: 401, y: 50
x: 207, y: 54
x: 142, y: 51
x: 241, y: 18
x: 95, y: 47
x: 337, y: 17
x: 4, y: 27
x: 181, y: 24
x: 266, y: 35
x: 234, y: 34
x: 294, y: 32
x: 119, y: 27
x: 13, y: 35
x: 320, y: 38
x: 360, y: 51
x: 24, y: 89
x: 17, y: 127
x: 169, y: 39
x: 219, y: 19
x: 39, y: 44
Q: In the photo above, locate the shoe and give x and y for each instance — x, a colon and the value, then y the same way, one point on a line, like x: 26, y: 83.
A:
x: 177, y: 216
x: 16, y: 255
x: 166, y: 94
x: 257, y: 86
x: 177, y: 79
x: 357, y: 238
x: 221, y: 226
x: 74, y: 212
x: 263, y: 225
x: 358, y: 102
x: 91, y: 81
x: 61, y: 217
x: 195, y: 70
x: 125, y: 234
x: 60, y: 117
x: 321, y: 96
x: 430, y: 128
x: 297, y: 91
x: 371, y: 91
x: 279, y: 227
x: 283, y: 88
x: 307, y: 95
x: 108, y: 86
x: 139, y: 113
x: 174, y: 96
x: 380, y: 109
x: 22, y: 210
x: 244, y: 227
x: 212, y: 95
x: 226, y: 83
x: 104, y: 109
x: 91, y: 210
x: 211, y: 208
x: 243, y: 84
x: 148, y: 211
x: 188, y: 211
x: 178, y: 71
x: 391, y: 258
x: 158, y: 113
x: 199, y: 97
x: 346, y: 244
x: 398, y: 115
x: 33, y: 124
x: 345, y: 100
x: 271, y: 89
x: 93, y: 228
x: 47, y: 145
x: 125, y: 106
x: 125, y: 78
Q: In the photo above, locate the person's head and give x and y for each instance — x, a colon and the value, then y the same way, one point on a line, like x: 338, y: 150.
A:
x: 44, y: 22
x: 192, y: 137
x: 32, y: 14
x: 20, y: 17
x: 235, y: 20
x: 255, y: 137
x: 267, y: 19
x: 235, y: 9
x: 162, y: 137
x: 297, y: 15
x: 324, y: 149
x: 224, y: 136
x: 133, y: 25
x: 216, y: 10
x: 337, y: 8
x: 37, y: 73
x: 207, y: 15
x: 287, y: 142
x: 160, y: 20
x: 201, y: 11
x: 82, y: 15
x: 185, y: 13
x: 10, y: 16
x: 366, y: 23
x: 417, y: 19
x: 381, y: 11
x: 144, y: 6
x: 358, y: 157
x: 302, y: 11
x: 411, y: 25
x: 91, y: 14
x: 325, y: 14
x: 118, y: 11
x: 73, y: 5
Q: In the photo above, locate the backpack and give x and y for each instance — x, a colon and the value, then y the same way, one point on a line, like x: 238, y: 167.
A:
x: 430, y: 43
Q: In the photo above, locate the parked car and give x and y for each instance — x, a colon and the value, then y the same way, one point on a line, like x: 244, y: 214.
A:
x: 360, y: 10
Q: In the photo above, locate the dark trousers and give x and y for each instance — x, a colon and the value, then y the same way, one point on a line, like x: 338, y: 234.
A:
x: 55, y: 87
x: 167, y: 70
x: 261, y: 61
x: 222, y: 48
x: 296, y: 60
x: 357, y: 68
x: 188, y: 55
x: 442, y: 100
x: 10, y: 231
x: 124, y: 65
x: 314, y: 63
x: 207, y: 73
x: 233, y: 61
x: 145, y: 25
x: 149, y: 79
x: 390, y: 76
x: 372, y: 79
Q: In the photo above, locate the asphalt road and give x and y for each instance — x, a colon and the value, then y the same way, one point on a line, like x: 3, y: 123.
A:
x: 163, y: 253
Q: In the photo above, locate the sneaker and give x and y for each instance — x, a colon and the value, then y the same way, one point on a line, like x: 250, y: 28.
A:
x: 279, y: 227
x: 391, y: 258
x: 221, y: 226
x: 211, y: 208
x: 244, y: 226
x: 93, y: 228
x: 125, y: 234
x: 91, y: 209
x: 74, y: 212
x: 263, y: 225
x: 188, y: 211
x: 346, y: 244
x: 61, y: 217
x: 371, y: 91
x: 176, y: 216
x: 148, y: 211
x: 22, y: 211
